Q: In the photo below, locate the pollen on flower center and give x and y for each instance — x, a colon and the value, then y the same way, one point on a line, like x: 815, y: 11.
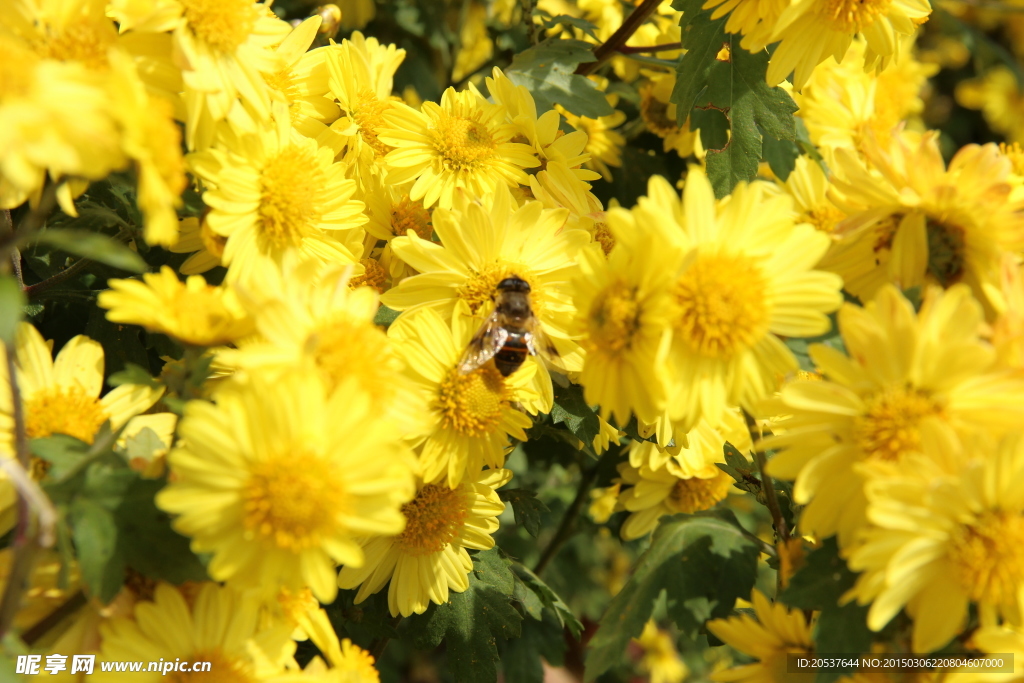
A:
x: 891, y: 425
x: 59, y: 410
x: 408, y: 214
x: 342, y: 347
x: 294, y: 507
x: 291, y: 182
x: 478, y: 291
x: 721, y: 305
x: 604, y: 237
x: 463, y: 143
x: 824, y: 218
x: 373, y: 276
x: 945, y: 251
x: 433, y: 519
x: 223, y: 24
x: 80, y: 41
x: 229, y: 669
x: 614, y: 318
x: 853, y: 16
x: 696, y: 494
x: 988, y: 557
x: 472, y: 403
x: 369, y: 116
x: 283, y: 81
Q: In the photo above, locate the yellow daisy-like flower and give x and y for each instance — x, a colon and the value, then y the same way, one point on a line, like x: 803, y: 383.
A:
x: 810, y: 31
x: 1003, y: 639
x: 998, y: 95
x: 753, y: 19
x: 659, y: 113
x: 927, y: 223
x: 656, y: 493
x: 392, y: 212
x: 1008, y: 328
x: 225, y: 45
x: 776, y: 632
x: 604, y: 143
x: 345, y: 662
x: 205, y: 246
x: 622, y: 321
x: 808, y: 185
x: 463, y: 143
x: 191, y: 312
x: 362, y: 73
x: 909, y: 383
x: 469, y: 415
x: 483, y: 244
x: 300, y: 79
x: 742, y: 276
x: 429, y: 558
x: 278, y: 191
x: 660, y: 658
x: 309, y: 316
x: 476, y: 46
x: 940, y: 543
x: 297, y: 474
x: 696, y: 451
x: 220, y: 626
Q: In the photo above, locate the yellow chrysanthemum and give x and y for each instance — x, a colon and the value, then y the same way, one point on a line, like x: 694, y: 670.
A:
x: 604, y: 143
x: 940, y: 543
x: 925, y: 222
x: 811, y: 31
x: 469, y: 416
x: 741, y: 276
x: 275, y: 192
x: 909, y: 383
x: 696, y: 451
x: 560, y: 187
x: 656, y: 493
x: 1008, y: 328
x: 1003, y: 639
x: 753, y: 19
x: 392, y: 212
x: 429, y: 558
x: 998, y: 95
x: 776, y: 633
x: 342, y: 661
x: 463, y: 143
x: 622, y: 321
x: 277, y: 479
x: 475, y: 45
x: 483, y: 244
x: 362, y: 72
x: 191, y: 312
x: 225, y: 46
x: 300, y: 79
x: 808, y: 185
x: 309, y: 316
x: 659, y: 113
x: 219, y: 625
x: 205, y: 246
x: 660, y: 658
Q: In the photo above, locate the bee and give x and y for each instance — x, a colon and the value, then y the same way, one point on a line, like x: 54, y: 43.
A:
x: 510, y: 333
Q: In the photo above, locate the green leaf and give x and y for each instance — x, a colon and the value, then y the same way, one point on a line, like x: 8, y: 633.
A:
x: 702, y: 562
x: 550, y: 21
x: 818, y: 585
x: 526, y: 507
x: 12, y: 306
x: 713, y: 125
x: 93, y: 246
x: 546, y: 70
x: 521, y: 657
x: 471, y: 622
x: 385, y: 316
x: 573, y: 411
x: 703, y: 41
x: 781, y: 156
x: 94, y: 531
x: 742, y: 470
x: 63, y: 453
x: 150, y: 545
x: 548, y: 598
x: 133, y: 374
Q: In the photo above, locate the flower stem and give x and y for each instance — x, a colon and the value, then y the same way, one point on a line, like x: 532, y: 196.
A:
x: 766, y: 482
x: 618, y: 39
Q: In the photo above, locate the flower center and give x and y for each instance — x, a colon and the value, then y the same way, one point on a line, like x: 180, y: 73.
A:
x: 655, y: 113
x: 478, y: 290
x: 291, y: 183
x: 358, y: 662
x: 224, y: 667
x: 283, y: 81
x: 824, y: 218
x: 472, y: 403
x: 1015, y: 154
x: 212, y: 242
x: 222, y: 24
x: 721, y: 305
x: 59, y: 410
x: 945, y: 251
x: 374, y: 276
x: 463, y: 143
x: 293, y: 507
x: 988, y: 557
x: 614, y: 318
x: 81, y: 41
x: 369, y: 116
x: 604, y: 237
x: 342, y: 347
x: 433, y: 519
x: 853, y: 16
x: 891, y: 425
x: 884, y: 232
x: 695, y: 494
x: 408, y: 214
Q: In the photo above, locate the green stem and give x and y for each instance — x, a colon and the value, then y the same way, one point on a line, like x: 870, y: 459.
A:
x: 41, y: 287
x: 766, y: 482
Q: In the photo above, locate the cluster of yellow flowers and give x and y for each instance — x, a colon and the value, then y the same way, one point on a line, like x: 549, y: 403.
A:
x: 324, y: 451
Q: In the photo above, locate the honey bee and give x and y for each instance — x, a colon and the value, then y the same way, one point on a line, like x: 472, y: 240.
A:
x: 510, y: 333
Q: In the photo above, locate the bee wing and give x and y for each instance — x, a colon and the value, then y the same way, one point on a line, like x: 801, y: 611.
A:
x: 487, y: 341
x: 539, y: 344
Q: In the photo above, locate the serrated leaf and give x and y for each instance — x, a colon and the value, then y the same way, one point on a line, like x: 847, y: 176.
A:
x: 572, y: 410
x: 521, y: 657
x: 12, y: 306
x: 818, y: 585
x: 95, y: 534
x: 93, y: 246
x: 702, y: 42
x: 471, y: 622
x: 548, y: 599
x: 526, y: 507
x: 546, y: 70
x: 702, y: 562
x: 150, y: 545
